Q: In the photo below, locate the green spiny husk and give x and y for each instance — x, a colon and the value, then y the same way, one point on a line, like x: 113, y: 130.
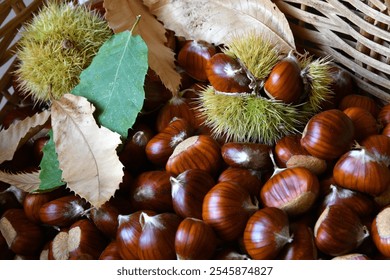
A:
x: 249, y: 118
x: 56, y: 46
x: 258, y: 55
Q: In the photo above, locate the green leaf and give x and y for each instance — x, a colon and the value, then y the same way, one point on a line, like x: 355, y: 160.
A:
x: 114, y: 82
x: 51, y: 173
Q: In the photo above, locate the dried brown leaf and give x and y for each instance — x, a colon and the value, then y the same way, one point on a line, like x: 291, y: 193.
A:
x: 121, y: 15
x: 219, y: 20
x: 19, y: 133
x: 25, y: 181
x: 86, y: 152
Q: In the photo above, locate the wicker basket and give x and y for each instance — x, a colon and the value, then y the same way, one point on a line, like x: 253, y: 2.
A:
x: 355, y: 33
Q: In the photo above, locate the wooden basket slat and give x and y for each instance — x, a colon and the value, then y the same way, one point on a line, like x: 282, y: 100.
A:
x: 358, y: 21
x: 369, y: 11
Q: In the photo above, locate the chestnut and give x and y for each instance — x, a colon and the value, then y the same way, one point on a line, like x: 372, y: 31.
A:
x: 244, y: 178
x: 328, y: 134
x: 194, y: 56
x: 176, y: 108
x: 128, y: 233
x: 294, y: 190
x: 58, y: 247
x: 22, y: 236
x: 196, y: 152
x: 380, y: 231
x: 111, y: 252
x: 85, y: 240
x: 225, y: 74
x: 302, y: 247
x: 152, y: 190
x: 360, y: 203
x: 361, y: 101
x: 62, y: 211
x: 379, y: 146
x: 361, y: 171
x: 161, y: 146
x: 339, y: 231
x: 384, y: 115
x: 266, y: 233
x: 247, y: 155
x: 157, y: 239
x: 227, y: 207
x: 365, y: 124
x: 105, y: 218
x: 188, y: 191
x: 285, y: 82
x: 194, y: 240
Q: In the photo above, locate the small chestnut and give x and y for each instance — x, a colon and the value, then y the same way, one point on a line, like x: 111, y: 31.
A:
x: 380, y: 231
x: 194, y: 240
x: 328, y: 134
x: 266, y: 233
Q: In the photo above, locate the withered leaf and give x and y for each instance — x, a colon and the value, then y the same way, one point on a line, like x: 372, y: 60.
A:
x: 19, y: 133
x: 219, y: 20
x: 86, y: 152
x: 25, y: 181
x: 121, y: 15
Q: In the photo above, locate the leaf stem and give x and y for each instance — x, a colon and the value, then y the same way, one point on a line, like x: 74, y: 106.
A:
x: 137, y: 19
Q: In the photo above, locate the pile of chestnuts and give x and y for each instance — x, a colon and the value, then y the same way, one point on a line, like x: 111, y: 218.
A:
x: 321, y: 193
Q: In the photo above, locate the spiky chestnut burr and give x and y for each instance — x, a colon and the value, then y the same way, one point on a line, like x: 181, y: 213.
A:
x: 56, y: 46
x: 252, y: 116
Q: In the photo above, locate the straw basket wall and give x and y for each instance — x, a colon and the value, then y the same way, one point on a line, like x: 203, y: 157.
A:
x: 355, y: 33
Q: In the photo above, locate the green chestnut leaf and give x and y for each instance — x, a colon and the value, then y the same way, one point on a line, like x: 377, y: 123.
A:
x: 51, y: 173
x: 114, y: 82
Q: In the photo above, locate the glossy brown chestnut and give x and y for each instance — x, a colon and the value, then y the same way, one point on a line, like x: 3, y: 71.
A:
x: 157, y: 239
x: 379, y: 146
x: 62, y: 211
x: 111, y: 252
x: 152, y: 190
x: 194, y: 240
x: 365, y: 124
x: 362, y: 101
x: 105, y: 219
x: 339, y: 231
x: 384, y: 115
x: 287, y: 147
x: 176, y: 108
x: 328, y: 134
x: 302, y: 247
x: 247, y: 155
x: 285, y: 82
x: 244, y: 178
x: 161, y: 146
x: 58, y: 247
x: 133, y: 155
x: 360, y: 203
x: 128, y: 234
x: 266, y: 233
x: 293, y: 190
x: 193, y: 57
x: 22, y: 236
x: 380, y: 231
x: 188, y: 191
x: 360, y: 170
x: 84, y: 239
x: 226, y: 208
x: 225, y: 74
x: 33, y: 202
x: 196, y: 152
